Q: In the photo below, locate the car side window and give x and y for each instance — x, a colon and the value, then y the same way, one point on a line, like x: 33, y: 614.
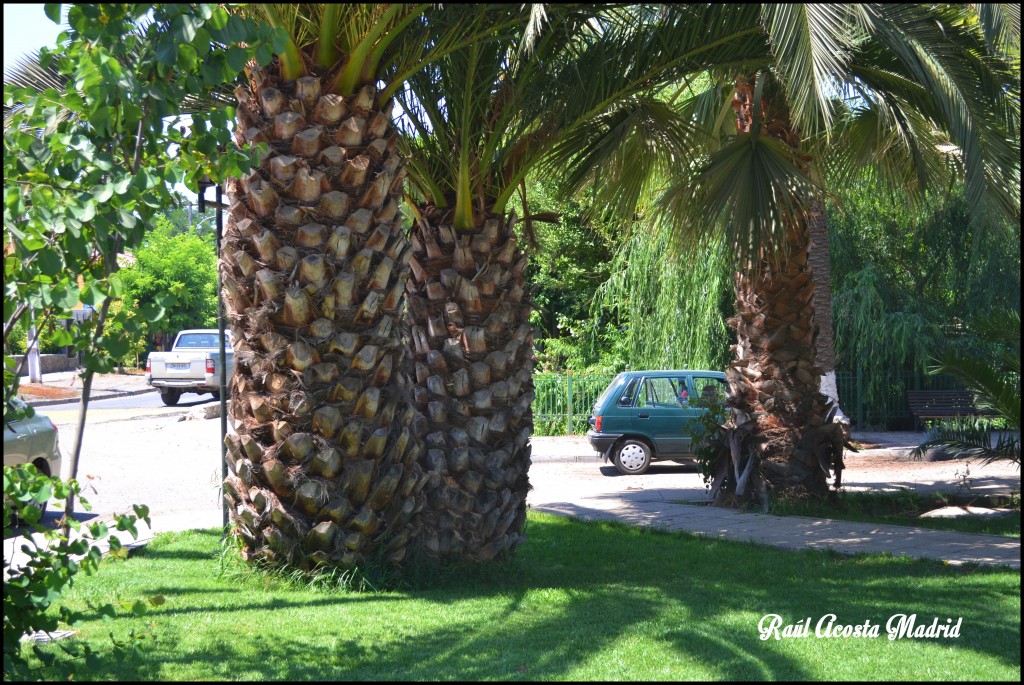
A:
x: 682, y: 391
x: 662, y: 392
x: 643, y: 397
x: 626, y: 397
x: 710, y: 389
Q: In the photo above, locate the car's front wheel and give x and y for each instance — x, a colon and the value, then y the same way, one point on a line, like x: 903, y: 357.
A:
x: 170, y: 397
x: 632, y: 457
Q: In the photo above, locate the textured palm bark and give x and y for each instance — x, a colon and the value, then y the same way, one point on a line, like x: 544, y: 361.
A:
x: 818, y: 255
x: 783, y: 424
x: 324, y: 463
x: 825, y: 349
x: 469, y: 318
x: 781, y: 435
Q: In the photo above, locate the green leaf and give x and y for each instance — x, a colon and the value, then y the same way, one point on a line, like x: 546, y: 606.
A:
x: 237, y: 57
x: 187, y: 57
x: 84, y: 210
x: 52, y: 11
x: 166, y: 50
x: 116, y: 284
x: 151, y: 312
x: 50, y: 262
x: 263, y: 54
x: 183, y: 28
x: 92, y: 294
x: 219, y: 19
x: 103, y: 193
x: 127, y: 219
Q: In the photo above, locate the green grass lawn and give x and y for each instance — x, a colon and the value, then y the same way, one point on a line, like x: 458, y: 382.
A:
x: 902, y: 508
x: 579, y: 601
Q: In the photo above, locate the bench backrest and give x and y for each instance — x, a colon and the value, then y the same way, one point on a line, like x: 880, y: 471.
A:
x: 941, y: 402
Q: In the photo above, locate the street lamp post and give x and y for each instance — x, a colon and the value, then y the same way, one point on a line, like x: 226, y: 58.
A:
x: 219, y: 205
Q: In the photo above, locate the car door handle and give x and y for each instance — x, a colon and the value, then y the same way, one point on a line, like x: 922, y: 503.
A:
x: 643, y: 415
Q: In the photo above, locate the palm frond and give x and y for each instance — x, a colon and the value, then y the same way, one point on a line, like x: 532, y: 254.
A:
x: 957, y: 88
x: 752, y: 186
x: 812, y: 46
x: 625, y: 153
x: 1000, y: 23
x: 972, y: 439
x: 997, y: 390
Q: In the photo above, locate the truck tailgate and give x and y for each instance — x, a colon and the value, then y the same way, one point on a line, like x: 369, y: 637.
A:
x: 173, y: 365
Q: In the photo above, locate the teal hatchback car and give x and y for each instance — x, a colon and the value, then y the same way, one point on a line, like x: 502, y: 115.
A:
x: 644, y: 416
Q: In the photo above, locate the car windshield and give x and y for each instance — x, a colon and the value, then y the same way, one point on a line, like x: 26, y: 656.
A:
x: 201, y: 340
x: 612, y: 387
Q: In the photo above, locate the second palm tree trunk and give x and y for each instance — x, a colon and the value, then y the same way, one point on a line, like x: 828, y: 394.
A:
x: 469, y: 317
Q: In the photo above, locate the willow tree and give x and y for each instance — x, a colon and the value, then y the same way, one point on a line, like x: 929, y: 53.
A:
x: 820, y: 91
x: 324, y: 464
x: 669, y: 304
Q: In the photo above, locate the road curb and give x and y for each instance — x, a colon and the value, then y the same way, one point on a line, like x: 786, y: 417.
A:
x: 92, y: 398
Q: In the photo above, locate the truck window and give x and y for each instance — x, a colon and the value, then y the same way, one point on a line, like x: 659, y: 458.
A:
x: 198, y: 340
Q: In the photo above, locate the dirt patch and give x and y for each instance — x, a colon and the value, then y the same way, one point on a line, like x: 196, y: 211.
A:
x: 46, y: 392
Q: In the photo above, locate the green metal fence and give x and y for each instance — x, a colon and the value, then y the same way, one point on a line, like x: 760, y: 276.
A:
x: 892, y: 410
x: 563, y: 402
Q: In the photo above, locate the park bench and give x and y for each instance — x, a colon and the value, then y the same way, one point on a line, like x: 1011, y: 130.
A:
x: 943, y: 404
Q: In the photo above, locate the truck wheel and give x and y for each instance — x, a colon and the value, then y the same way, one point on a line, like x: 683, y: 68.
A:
x: 170, y: 397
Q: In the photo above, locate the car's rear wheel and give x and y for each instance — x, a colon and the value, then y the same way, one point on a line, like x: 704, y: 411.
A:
x: 632, y: 457
x: 170, y: 397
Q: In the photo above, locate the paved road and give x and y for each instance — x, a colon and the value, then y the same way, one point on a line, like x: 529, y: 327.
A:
x: 146, y: 400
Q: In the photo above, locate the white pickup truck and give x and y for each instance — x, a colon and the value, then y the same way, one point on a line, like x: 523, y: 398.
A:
x: 192, y: 365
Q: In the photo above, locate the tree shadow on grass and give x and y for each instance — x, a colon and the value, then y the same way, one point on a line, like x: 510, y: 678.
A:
x: 574, y: 598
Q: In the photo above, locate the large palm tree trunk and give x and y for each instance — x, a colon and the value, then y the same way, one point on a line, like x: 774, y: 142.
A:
x: 324, y: 465
x: 781, y: 434
x: 469, y: 316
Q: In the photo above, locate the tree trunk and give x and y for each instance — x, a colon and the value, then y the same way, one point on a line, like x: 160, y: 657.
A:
x: 782, y: 423
x: 825, y: 350
x: 324, y: 465
x: 469, y: 318
x: 781, y: 435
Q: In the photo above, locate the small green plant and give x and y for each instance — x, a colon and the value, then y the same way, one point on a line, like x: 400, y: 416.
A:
x: 708, y: 437
x: 52, y: 559
x: 964, y: 482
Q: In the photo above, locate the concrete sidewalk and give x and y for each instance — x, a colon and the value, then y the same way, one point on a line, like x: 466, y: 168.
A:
x: 653, y: 508
x: 66, y: 386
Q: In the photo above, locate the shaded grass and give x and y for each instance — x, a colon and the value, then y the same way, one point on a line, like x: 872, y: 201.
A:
x: 901, y: 508
x: 579, y: 601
